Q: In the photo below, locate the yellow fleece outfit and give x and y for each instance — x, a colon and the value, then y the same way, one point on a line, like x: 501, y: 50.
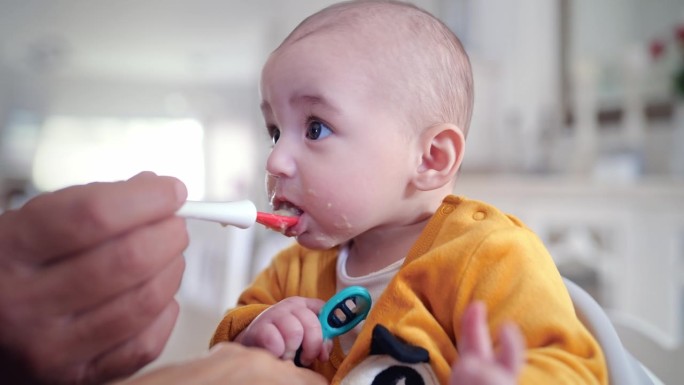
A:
x: 468, y: 251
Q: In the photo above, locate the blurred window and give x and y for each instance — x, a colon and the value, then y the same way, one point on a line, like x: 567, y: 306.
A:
x: 75, y: 150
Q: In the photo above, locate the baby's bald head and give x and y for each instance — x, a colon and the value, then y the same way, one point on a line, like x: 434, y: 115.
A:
x: 419, y: 64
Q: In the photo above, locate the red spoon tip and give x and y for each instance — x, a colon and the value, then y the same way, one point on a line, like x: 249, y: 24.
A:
x: 276, y: 222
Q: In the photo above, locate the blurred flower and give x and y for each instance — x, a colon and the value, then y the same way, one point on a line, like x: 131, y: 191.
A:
x: 657, y: 48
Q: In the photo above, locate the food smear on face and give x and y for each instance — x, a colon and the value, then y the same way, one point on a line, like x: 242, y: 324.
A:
x: 343, y: 224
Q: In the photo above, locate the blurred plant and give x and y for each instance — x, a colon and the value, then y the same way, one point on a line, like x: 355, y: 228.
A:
x: 659, y: 52
x: 679, y: 72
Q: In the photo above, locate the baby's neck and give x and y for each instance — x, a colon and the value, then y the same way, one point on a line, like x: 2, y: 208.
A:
x: 376, y: 249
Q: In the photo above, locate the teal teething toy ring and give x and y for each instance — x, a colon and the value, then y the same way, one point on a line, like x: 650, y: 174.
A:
x: 344, y: 311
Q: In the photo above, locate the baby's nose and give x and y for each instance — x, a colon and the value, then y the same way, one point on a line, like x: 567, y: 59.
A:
x: 280, y: 162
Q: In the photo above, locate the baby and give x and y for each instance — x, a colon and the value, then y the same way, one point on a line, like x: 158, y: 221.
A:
x: 368, y: 105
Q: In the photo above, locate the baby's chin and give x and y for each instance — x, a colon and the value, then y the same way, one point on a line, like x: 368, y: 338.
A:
x: 319, y: 241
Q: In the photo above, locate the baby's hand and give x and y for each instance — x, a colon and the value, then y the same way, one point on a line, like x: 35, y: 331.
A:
x: 287, y: 325
x: 478, y: 363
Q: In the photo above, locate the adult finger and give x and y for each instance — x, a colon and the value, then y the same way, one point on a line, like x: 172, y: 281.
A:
x: 231, y: 363
x: 116, y: 320
x: 91, y: 333
x: 75, y: 218
x: 475, y: 337
x: 108, y: 269
x: 242, y: 370
x: 110, y: 363
x: 135, y: 352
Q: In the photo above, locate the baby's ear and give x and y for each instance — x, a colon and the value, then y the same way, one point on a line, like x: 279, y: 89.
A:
x: 442, y: 152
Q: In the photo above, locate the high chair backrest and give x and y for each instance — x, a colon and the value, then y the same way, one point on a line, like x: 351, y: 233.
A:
x: 623, y: 368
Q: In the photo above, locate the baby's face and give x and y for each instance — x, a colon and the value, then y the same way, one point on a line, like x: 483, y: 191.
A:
x: 341, y: 157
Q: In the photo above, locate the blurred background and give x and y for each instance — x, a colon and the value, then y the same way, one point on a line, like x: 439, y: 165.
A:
x: 578, y: 130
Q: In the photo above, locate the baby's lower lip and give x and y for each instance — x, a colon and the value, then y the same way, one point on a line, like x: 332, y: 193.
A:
x: 293, y: 231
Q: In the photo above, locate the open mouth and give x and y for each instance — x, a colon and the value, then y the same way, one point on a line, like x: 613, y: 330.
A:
x: 286, y: 209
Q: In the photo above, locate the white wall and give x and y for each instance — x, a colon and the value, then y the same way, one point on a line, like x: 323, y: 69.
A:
x: 514, y: 49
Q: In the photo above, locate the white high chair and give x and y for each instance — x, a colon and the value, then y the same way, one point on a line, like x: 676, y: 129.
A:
x: 623, y: 368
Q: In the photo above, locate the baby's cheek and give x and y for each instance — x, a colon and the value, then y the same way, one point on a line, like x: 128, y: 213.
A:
x: 333, y: 218
x: 342, y: 223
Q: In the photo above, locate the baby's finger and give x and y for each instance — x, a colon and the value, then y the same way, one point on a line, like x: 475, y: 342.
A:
x: 324, y: 354
x: 314, y: 304
x: 292, y: 332
x: 312, y: 341
x: 512, y: 353
x: 264, y: 335
x: 475, y: 339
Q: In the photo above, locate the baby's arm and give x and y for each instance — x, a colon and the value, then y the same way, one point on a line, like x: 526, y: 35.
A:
x: 287, y: 325
x: 479, y: 364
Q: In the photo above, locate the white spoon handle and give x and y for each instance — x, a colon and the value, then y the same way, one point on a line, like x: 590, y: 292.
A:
x: 240, y: 214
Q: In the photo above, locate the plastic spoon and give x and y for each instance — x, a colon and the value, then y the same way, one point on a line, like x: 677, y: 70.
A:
x: 242, y: 214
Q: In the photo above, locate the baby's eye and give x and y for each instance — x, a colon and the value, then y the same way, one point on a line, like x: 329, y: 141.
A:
x: 317, y: 130
x: 274, y: 133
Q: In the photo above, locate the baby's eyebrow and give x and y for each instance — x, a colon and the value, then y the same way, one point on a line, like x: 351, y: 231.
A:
x: 302, y: 99
x: 295, y: 99
x: 307, y: 99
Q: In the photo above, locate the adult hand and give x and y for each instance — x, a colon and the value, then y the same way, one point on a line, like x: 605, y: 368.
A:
x: 88, y: 276
x: 231, y: 363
